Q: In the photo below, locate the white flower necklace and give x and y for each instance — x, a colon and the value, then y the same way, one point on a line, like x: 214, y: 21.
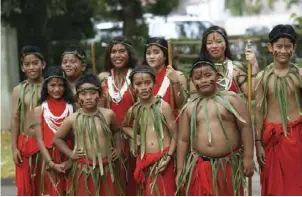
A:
x: 117, y: 95
x: 53, y: 121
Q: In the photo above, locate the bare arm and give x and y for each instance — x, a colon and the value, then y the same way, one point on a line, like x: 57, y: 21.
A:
x: 36, y: 116
x: 178, y: 87
x: 126, y: 127
x: 62, y: 133
x: 171, y: 123
x: 115, y: 131
x: 183, y: 140
x: 102, y: 77
x: 245, y: 128
x: 15, y: 119
x: 259, y: 116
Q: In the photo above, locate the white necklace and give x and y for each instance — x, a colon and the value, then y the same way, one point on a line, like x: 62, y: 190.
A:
x: 117, y: 95
x: 227, y: 79
x: 53, y: 121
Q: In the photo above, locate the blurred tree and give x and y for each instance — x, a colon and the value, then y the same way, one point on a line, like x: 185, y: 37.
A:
x: 46, y: 23
x: 131, y: 12
x: 248, y: 7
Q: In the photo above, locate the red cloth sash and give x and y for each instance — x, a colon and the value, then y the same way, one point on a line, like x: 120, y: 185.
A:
x: 202, y: 180
x: 27, y: 176
x: 165, y: 180
x: 282, y: 172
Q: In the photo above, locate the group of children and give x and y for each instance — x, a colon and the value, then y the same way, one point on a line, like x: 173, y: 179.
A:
x: 135, y: 130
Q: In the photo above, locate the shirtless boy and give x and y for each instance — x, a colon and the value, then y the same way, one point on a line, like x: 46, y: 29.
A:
x: 215, y: 141
x: 25, y: 98
x: 154, y: 137
x: 95, y: 169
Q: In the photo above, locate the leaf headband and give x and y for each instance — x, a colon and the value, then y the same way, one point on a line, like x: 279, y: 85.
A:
x: 89, y: 88
x: 202, y: 62
x: 82, y: 57
x: 38, y: 54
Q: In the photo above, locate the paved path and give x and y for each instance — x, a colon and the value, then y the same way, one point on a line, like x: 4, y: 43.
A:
x: 10, y: 190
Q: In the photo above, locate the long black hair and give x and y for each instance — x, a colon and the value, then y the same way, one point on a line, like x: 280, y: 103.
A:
x: 132, y: 58
x: 56, y: 72
x: 204, y: 54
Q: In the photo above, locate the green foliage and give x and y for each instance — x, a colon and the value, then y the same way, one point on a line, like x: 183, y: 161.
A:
x: 245, y: 7
x: 298, y: 19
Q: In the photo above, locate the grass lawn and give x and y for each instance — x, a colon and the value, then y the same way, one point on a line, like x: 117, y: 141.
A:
x: 7, y: 164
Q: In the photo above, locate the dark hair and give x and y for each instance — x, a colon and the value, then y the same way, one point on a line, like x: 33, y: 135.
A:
x: 142, y: 69
x: 56, y: 72
x: 77, y: 51
x: 201, y: 63
x: 161, y: 43
x: 88, y: 78
x: 204, y: 54
x: 132, y: 61
x: 282, y: 31
x: 31, y: 50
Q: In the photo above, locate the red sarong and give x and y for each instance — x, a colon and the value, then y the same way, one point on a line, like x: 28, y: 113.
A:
x: 202, y: 179
x: 120, y: 109
x: 80, y: 181
x: 28, y: 175
x: 165, y: 181
x: 54, y: 183
x: 282, y: 172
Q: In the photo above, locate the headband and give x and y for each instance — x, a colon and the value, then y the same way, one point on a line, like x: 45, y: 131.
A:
x: 203, y: 62
x: 89, y: 88
x: 283, y: 35
x: 215, y: 31
x: 55, y: 76
x: 76, y: 53
x: 141, y: 71
x: 38, y: 54
x: 120, y: 42
x: 155, y: 43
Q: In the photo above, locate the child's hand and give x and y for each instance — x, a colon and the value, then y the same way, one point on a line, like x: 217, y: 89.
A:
x: 77, y: 154
x: 248, y: 166
x: 67, y: 164
x: 60, y: 168
x: 114, y: 154
x: 260, y: 154
x: 171, y: 74
x: 163, y: 165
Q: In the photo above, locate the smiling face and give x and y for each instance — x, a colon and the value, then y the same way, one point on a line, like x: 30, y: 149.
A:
x: 119, y: 56
x: 155, y: 57
x: 205, y: 79
x: 72, y: 66
x: 216, y: 46
x: 88, y: 97
x: 143, y: 85
x: 32, y: 66
x: 282, y: 50
x: 55, y: 88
